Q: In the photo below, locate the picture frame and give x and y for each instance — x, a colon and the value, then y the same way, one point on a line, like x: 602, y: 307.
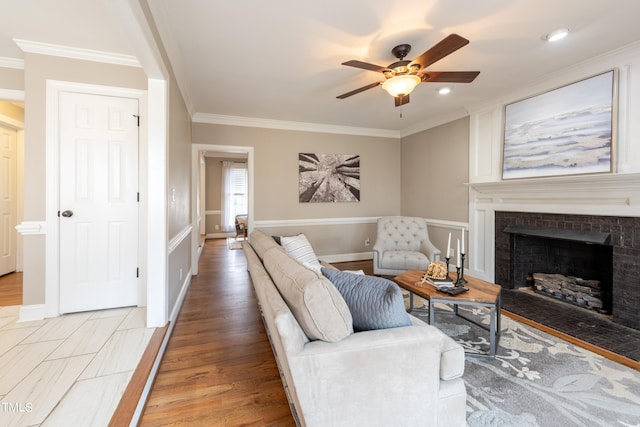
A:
x: 565, y: 131
x: 328, y: 178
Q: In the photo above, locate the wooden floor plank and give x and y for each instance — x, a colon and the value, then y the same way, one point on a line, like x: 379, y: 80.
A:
x: 218, y: 368
x: 11, y: 289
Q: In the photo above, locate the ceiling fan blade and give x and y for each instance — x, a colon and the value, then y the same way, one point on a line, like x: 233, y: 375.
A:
x: 401, y: 100
x: 450, y: 76
x: 362, y: 89
x: 445, y: 47
x: 364, y: 65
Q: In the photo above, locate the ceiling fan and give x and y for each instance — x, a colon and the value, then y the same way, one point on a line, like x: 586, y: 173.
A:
x: 403, y: 76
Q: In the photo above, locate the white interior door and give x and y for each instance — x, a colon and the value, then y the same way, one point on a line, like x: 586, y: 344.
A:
x: 98, y: 202
x: 8, y: 204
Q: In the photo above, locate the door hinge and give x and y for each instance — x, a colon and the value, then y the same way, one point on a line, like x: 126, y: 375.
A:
x: 138, y: 197
x: 58, y: 214
x: 137, y: 117
x: 137, y: 272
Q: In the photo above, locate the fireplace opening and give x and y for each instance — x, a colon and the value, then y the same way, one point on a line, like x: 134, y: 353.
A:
x: 576, y: 267
x: 611, y: 244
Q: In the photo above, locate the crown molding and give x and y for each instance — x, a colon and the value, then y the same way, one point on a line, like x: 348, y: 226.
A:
x: 295, y: 126
x: 16, y: 63
x: 433, y: 122
x: 77, y: 53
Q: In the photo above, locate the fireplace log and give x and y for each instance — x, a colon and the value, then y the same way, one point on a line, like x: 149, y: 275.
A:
x: 584, y: 293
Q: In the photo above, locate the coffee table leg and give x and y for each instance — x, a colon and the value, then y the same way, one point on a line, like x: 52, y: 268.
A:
x: 492, y: 331
x: 432, y: 312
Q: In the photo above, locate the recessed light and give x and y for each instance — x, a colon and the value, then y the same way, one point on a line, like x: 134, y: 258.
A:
x: 445, y: 90
x: 556, y: 35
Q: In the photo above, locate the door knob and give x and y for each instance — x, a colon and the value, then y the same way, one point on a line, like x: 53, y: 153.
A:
x: 67, y: 214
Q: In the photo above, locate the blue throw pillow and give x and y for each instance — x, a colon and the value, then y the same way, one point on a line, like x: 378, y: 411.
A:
x: 374, y: 302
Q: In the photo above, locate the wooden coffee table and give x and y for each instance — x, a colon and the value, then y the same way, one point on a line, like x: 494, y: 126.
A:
x: 481, y: 293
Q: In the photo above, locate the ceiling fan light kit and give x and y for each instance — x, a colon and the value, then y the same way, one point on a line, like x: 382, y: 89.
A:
x: 403, y: 76
x: 401, y: 85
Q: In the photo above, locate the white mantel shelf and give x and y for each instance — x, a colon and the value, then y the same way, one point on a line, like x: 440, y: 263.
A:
x: 606, y: 182
x: 606, y: 194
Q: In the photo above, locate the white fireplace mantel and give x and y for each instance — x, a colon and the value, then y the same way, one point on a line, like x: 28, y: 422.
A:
x: 605, y: 194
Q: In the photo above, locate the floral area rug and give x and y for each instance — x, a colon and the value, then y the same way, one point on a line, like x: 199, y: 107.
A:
x: 537, y: 379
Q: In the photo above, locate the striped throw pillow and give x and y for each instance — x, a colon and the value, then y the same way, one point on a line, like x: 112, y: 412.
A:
x: 299, y: 248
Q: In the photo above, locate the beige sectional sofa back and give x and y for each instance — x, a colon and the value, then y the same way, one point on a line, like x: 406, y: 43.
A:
x: 408, y: 376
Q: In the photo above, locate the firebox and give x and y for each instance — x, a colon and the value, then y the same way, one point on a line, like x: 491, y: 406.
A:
x: 604, y: 251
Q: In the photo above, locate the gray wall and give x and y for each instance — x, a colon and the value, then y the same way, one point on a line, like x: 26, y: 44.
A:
x: 276, y: 181
x: 435, y: 173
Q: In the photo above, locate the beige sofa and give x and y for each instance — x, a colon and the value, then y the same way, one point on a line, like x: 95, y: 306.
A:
x: 404, y: 376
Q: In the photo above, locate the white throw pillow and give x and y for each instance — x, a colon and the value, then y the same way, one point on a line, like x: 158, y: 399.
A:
x: 299, y: 248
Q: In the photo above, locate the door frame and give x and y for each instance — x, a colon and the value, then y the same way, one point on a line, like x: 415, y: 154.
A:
x: 196, y: 191
x: 52, y: 246
x: 18, y: 126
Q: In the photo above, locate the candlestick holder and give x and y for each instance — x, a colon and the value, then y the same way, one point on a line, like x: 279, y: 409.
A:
x: 458, y: 283
x: 448, y: 278
x: 461, y: 278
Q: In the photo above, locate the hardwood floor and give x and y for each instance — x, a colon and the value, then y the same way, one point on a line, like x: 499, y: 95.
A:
x: 218, y: 368
x: 11, y: 289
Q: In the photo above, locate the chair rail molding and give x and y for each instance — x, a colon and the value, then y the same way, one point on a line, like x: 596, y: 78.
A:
x: 27, y: 228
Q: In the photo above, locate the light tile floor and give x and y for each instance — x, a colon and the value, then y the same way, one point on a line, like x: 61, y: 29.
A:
x: 68, y: 370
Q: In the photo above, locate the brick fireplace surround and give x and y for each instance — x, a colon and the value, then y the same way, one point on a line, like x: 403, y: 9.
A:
x: 625, y: 242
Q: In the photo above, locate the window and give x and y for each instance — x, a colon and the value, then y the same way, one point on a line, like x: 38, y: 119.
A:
x: 234, y: 193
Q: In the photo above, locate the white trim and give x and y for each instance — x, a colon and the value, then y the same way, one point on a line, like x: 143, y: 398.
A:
x: 361, y: 256
x: 178, y: 238
x: 11, y: 122
x: 218, y: 119
x: 439, y: 223
x: 218, y: 212
x: 11, y: 95
x: 314, y: 221
x: 16, y: 63
x: 347, y: 221
x: 219, y: 235
x: 157, y: 230
x: 52, y: 187
x: 183, y: 292
x: 433, y: 122
x: 32, y: 312
x: 29, y: 228
x: 77, y: 53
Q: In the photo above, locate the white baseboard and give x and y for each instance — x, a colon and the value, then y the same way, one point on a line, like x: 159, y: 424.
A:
x: 361, y: 256
x: 32, y: 312
x: 183, y: 292
x: 219, y: 235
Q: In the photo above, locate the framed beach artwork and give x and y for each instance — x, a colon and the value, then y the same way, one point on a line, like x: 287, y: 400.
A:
x: 328, y: 178
x: 565, y: 131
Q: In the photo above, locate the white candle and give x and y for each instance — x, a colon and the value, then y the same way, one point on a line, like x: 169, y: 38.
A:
x: 462, y: 239
x: 458, y: 260
x: 449, y: 246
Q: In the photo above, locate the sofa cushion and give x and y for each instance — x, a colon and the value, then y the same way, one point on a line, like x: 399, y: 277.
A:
x: 299, y: 248
x: 374, y: 302
x: 261, y: 243
x: 314, y: 301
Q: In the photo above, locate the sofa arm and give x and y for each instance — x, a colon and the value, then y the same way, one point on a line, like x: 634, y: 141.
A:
x: 386, y: 374
x: 451, y: 360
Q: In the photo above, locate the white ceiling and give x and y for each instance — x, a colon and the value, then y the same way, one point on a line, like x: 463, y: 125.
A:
x: 280, y: 59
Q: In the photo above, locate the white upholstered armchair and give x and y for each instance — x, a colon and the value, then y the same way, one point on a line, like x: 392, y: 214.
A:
x: 402, y: 244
